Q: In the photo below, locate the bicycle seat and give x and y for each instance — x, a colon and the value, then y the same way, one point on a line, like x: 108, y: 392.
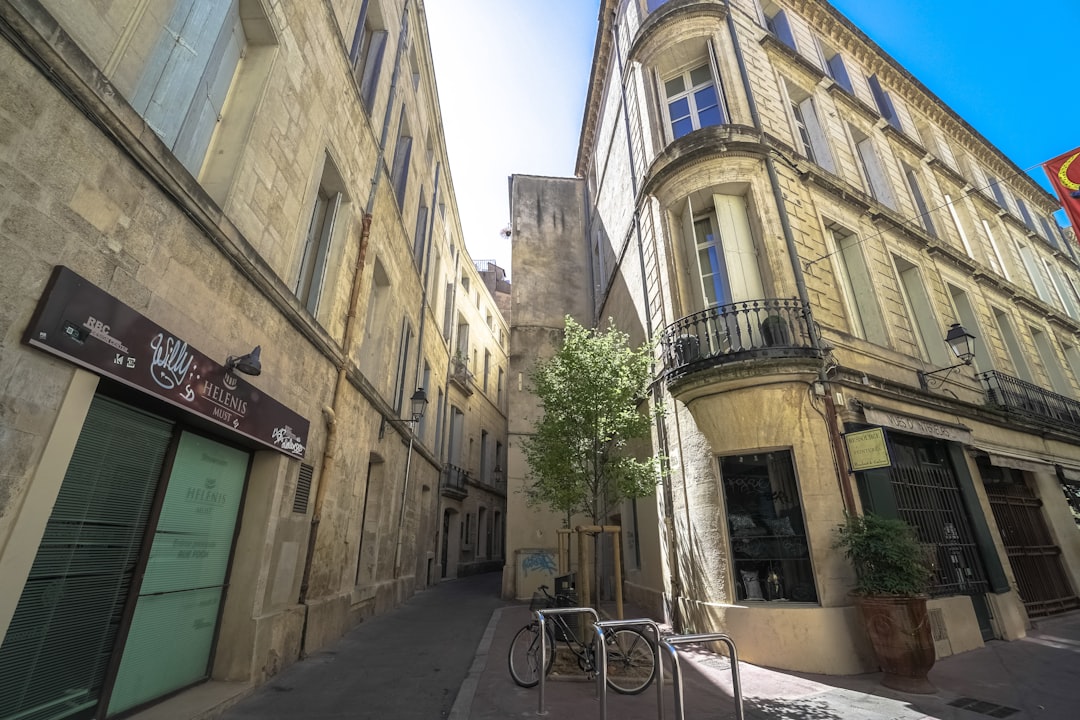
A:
x: 542, y: 587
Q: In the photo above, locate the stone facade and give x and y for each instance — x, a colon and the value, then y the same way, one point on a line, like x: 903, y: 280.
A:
x: 799, y: 222
x: 280, y: 183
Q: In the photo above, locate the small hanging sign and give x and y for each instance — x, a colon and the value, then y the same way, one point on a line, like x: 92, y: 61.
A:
x: 867, y: 449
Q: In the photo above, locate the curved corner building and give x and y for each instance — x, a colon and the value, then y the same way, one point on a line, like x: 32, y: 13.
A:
x: 801, y: 224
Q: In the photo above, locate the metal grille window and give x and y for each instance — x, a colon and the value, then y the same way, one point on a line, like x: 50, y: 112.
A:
x: 928, y: 497
x: 1033, y: 555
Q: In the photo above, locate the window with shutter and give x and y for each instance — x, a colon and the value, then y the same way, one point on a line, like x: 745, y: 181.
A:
x: 182, y: 89
x: 326, y: 213
x: 67, y: 618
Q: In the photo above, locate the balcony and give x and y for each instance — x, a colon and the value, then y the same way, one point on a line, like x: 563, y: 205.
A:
x: 769, y: 328
x: 1029, y: 401
x: 454, y: 481
x: 460, y: 375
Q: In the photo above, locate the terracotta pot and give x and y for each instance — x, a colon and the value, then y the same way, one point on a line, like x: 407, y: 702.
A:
x: 899, y: 628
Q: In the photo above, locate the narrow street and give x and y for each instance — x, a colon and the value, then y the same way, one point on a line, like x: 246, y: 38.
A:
x: 407, y: 664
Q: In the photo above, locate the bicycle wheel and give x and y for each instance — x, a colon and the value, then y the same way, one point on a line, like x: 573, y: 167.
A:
x: 524, y: 655
x: 631, y: 662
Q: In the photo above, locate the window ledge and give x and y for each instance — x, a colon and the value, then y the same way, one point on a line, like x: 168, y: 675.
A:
x: 854, y: 103
x: 904, y: 139
x: 708, y: 142
x: 956, y: 258
x: 838, y: 187
x: 792, y: 58
x: 946, y: 169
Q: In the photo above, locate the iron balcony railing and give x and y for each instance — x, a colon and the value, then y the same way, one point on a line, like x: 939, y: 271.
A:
x: 1024, y: 398
x: 460, y: 375
x: 454, y: 481
x: 770, y: 327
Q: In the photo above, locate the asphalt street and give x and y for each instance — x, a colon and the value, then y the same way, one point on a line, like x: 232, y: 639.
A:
x: 407, y: 664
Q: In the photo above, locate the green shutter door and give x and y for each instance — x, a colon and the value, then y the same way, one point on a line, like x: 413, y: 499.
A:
x: 184, y: 581
x: 56, y: 651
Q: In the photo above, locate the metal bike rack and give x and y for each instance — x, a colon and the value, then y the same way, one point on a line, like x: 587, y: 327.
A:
x: 669, y: 644
x: 540, y: 616
x: 601, y: 661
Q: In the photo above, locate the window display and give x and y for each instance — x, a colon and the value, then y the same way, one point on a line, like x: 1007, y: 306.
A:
x: 765, y: 523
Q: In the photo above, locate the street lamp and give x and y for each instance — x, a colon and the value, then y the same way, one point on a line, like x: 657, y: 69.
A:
x: 962, y: 344
x: 418, y: 403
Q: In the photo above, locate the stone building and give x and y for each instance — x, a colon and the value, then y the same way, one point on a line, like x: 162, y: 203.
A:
x: 232, y: 258
x: 801, y: 224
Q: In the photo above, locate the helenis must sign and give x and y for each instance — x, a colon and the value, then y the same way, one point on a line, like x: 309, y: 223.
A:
x: 79, y: 321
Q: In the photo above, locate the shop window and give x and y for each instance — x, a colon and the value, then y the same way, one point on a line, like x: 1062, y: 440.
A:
x: 769, y: 550
x: 1072, y: 496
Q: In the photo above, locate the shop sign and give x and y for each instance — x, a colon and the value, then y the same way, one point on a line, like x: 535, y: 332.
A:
x: 80, y: 322
x: 917, y: 426
x: 867, y: 449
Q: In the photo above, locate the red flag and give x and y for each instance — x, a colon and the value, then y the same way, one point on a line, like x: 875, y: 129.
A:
x: 1064, y: 174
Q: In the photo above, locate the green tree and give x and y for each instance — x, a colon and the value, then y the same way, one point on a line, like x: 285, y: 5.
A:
x: 590, y: 391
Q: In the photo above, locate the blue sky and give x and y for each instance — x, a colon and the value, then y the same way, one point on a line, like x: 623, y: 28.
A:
x: 512, y: 76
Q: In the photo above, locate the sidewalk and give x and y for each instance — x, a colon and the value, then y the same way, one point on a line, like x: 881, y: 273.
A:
x: 1034, y: 678
x: 443, y: 655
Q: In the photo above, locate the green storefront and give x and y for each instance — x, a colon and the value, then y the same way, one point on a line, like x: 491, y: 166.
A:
x: 123, y: 602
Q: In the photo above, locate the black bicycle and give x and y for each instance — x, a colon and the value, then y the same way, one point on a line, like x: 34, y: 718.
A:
x: 631, y: 661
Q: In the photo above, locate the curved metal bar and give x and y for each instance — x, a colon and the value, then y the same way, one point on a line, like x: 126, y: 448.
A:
x: 602, y: 661
x: 601, y: 669
x: 541, y: 616
x: 736, y: 686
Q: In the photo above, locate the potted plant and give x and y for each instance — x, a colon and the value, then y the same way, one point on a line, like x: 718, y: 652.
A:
x: 892, y: 574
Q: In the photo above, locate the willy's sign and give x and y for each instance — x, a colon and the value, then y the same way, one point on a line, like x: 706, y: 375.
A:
x: 80, y: 322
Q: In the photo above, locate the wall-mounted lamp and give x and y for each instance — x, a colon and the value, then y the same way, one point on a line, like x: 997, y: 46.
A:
x: 497, y: 475
x: 963, y: 346
x: 248, y: 364
x: 418, y: 403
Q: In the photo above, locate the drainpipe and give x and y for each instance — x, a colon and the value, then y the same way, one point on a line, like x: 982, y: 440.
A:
x: 831, y: 421
x: 661, y: 431
x: 419, y: 357
x: 330, y: 412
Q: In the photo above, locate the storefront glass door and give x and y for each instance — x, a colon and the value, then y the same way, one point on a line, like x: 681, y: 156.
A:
x: 172, y: 632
